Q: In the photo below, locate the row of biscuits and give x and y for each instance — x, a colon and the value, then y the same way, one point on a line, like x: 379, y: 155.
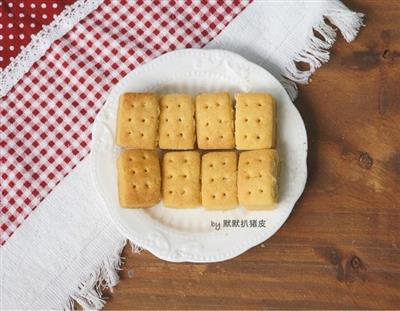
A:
x: 214, y: 180
x: 172, y: 121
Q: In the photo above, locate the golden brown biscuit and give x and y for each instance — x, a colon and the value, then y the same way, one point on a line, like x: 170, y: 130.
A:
x: 181, y: 179
x: 214, y: 121
x: 255, y: 124
x: 139, y: 180
x: 257, y: 178
x: 218, y: 180
x: 137, y: 123
x: 177, y: 126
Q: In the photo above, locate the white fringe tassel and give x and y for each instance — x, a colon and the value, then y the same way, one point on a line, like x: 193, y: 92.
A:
x: 89, y: 292
x: 136, y: 249
x: 316, y: 51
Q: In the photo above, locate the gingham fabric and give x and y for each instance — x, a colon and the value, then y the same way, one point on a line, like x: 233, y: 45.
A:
x: 47, y: 116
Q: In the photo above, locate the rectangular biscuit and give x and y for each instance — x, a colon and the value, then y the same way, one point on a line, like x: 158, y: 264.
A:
x: 181, y: 179
x: 137, y: 123
x: 255, y: 123
x: 139, y: 178
x: 257, y: 178
x: 177, y: 126
x: 218, y: 180
x: 214, y: 121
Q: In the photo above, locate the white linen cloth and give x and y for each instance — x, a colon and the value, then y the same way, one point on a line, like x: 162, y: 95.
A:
x: 68, y: 245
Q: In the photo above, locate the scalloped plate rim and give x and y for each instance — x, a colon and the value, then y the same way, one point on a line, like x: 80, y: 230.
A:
x: 239, y: 247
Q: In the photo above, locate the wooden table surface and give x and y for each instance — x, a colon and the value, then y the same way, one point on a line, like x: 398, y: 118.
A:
x: 340, y: 248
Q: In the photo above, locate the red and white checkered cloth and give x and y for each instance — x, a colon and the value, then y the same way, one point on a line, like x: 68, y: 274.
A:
x: 47, y: 116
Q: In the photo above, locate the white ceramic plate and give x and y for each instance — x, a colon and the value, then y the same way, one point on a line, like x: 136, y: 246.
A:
x: 188, y: 235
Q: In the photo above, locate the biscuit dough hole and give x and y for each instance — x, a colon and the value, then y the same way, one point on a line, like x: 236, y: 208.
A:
x: 213, y: 196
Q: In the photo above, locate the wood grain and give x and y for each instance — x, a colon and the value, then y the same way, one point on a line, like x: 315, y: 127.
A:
x: 340, y: 248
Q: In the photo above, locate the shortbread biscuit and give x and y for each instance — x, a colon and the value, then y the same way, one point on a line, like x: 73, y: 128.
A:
x: 177, y: 126
x: 214, y: 121
x: 137, y: 124
x: 139, y: 178
x: 181, y: 179
x: 257, y: 178
x: 255, y: 123
x: 218, y: 180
